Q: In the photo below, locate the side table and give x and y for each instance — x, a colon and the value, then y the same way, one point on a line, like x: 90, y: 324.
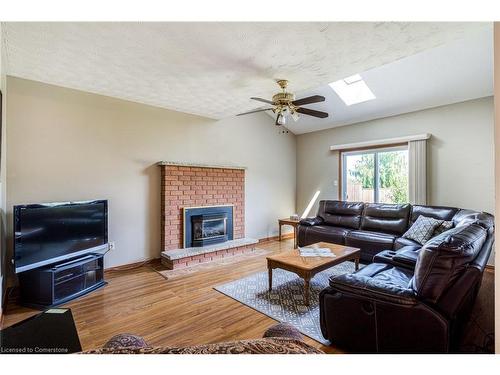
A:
x: 294, y: 224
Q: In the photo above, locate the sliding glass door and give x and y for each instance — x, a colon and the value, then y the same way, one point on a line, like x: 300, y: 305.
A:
x: 378, y: 175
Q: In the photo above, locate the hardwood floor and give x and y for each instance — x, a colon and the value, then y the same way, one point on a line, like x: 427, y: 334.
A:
x: 181, y: 311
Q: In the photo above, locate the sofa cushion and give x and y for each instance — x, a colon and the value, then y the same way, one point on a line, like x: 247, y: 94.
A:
x: 443, y: 227
x: 342, y: 214
x: 422, y: 229
x: 442, y: 260
x: 380, y: 281
x: 402, y: 242
x: 436, y: 212
x: 369, y: 242
x: 387, y: 218
x: 326, y: 233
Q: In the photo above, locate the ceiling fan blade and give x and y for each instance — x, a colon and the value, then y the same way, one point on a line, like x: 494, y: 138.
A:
x: 262, y: 100
x: 254, y: 111
x: 309, y: 100
x: 312, y: 112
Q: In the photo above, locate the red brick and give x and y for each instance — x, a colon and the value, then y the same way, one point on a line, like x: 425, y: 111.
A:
x: 183, y: 186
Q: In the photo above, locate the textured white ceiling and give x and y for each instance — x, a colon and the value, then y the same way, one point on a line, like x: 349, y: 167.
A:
x: 210, y: 69
x: 451, y: 73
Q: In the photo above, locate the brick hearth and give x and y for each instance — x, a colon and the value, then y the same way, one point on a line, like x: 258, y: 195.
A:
x: 184, y: 186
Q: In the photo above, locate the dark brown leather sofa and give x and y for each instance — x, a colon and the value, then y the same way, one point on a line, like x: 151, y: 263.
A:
x: 411, y: 298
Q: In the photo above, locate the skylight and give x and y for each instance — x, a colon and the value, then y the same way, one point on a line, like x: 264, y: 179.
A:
x: 352, y: 90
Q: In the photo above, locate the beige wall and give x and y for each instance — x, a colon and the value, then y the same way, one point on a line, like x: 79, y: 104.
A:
x: 497, y: 180
x: 460, y: 154
x: 71, y: 145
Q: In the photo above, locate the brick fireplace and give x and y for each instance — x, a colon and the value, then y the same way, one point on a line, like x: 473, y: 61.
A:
x: 185, y: 187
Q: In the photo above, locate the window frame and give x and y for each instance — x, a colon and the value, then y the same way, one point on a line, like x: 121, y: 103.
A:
x: 365, y: 150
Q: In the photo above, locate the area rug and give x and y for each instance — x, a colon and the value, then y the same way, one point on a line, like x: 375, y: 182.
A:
x: 172, y: 274
x: 285, y: 303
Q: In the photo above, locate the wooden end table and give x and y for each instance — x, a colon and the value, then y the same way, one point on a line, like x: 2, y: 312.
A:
x: 294, y: 224
x: 307, y: 267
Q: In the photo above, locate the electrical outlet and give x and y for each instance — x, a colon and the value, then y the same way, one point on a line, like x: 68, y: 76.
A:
x: 335, y: 183
x: 111, y: 246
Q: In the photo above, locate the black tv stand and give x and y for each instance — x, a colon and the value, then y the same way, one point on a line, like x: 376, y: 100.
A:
x: 61, y: 282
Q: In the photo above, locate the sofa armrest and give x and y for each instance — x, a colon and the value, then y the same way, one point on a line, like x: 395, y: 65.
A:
x: 407, y: 256
x: 311, y: 221
x: 372, y: 288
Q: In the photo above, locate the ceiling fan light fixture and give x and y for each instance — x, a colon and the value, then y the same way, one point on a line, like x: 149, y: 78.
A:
x: 285, y: 105
x: 280, y: 120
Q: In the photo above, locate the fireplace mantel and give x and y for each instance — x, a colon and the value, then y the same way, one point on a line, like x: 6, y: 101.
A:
x: 186, y: 164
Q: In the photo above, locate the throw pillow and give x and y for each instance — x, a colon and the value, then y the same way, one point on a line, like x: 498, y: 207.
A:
x: 422, y: 229
x: 445, y: 225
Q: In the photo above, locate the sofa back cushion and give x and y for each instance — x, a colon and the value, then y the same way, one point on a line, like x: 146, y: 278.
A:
x: 466, y: 217
x: 387, y: 218
x: 341, y: 214
x: 436, y: 212
x: 443, y: 259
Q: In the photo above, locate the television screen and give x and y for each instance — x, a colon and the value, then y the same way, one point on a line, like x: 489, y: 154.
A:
x: 47, y: 233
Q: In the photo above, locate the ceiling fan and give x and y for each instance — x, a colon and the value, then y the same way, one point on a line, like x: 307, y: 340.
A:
x: 284, y: 105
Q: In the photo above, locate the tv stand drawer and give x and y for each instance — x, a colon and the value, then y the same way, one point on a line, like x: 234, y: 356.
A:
x: 77, y: 268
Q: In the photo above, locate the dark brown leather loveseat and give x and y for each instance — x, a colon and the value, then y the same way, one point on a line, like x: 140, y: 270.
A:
x: 411, y: 298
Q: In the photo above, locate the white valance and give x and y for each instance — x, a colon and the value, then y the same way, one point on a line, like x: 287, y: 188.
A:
x: 381, y: 142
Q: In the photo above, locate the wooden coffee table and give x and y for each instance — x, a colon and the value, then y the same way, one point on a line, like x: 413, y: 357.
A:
x: 307, y: 267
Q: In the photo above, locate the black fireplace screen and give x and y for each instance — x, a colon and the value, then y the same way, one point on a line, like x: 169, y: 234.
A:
x: 209, y: 229
x: 207, y: 225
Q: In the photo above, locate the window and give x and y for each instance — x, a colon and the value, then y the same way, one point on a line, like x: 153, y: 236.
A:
x: 352, y: 90
x: 377, y: 175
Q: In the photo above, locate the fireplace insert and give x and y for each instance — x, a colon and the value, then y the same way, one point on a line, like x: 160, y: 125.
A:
x: 207, y: 225
x: 209, y: 229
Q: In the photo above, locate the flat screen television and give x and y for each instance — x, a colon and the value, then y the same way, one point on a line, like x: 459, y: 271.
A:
x: 50, y: 232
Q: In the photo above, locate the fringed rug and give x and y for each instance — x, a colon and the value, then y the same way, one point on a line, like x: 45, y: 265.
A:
x: 285, y: 303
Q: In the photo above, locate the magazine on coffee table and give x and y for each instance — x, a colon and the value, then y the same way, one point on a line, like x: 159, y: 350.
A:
x: 316, y: 252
